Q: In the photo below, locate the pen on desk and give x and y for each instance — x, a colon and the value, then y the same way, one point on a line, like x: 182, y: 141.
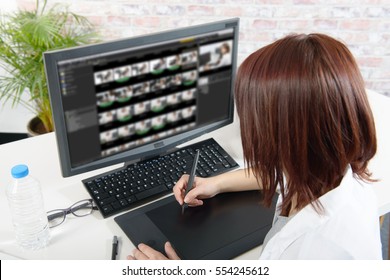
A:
x: 114, y: 247
x: 191, y: 179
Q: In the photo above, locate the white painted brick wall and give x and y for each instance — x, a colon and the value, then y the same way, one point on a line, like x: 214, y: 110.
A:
x: 364, y: 25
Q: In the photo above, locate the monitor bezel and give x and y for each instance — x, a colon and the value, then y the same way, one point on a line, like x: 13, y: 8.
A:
x: 51, y: 59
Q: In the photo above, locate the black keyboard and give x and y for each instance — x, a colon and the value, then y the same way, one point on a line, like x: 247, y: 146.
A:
x: 138, y: 183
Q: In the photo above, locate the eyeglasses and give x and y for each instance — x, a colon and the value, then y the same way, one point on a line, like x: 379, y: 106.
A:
x: 79, y: 209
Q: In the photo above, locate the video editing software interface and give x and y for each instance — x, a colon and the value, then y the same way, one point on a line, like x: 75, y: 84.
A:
x: 117, y: 101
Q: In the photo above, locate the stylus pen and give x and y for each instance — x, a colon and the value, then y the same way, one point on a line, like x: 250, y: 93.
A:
x: 114, y: 248
x: 191, y: 179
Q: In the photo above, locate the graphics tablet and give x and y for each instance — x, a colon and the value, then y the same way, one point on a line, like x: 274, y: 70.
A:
x: 223, y: 228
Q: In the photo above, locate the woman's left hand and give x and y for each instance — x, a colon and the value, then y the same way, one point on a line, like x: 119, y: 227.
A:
x: 145, y: 252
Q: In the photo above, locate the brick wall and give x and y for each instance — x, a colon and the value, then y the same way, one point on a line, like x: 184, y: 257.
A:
x: 364, y: 25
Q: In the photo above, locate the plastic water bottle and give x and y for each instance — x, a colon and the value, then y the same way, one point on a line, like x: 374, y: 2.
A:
x: 28, y: 213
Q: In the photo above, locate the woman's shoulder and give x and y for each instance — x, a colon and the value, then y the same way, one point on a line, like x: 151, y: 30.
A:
x: 316, y: 247
x: 339, y: 243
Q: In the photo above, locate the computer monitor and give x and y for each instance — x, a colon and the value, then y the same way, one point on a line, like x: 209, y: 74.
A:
x: 139, y: 97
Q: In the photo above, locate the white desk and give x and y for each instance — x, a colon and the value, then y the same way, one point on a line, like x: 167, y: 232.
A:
x: 91, y: 237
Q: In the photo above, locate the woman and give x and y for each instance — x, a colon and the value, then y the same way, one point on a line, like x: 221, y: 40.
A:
x: 307, y: 133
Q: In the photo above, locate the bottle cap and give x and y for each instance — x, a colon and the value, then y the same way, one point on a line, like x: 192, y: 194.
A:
x: 19, y: 171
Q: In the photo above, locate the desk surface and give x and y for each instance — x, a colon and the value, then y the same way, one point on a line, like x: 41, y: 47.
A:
x: 90, y: 237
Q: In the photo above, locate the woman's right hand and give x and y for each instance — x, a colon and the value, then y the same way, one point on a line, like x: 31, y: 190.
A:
x: 239, y: 180
x: 202, y: 188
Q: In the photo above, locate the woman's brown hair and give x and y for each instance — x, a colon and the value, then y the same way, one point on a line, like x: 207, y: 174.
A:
x: 304, y: 118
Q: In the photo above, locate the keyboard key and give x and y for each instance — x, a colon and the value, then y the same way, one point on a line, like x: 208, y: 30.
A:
x: 107, y: 209
x: 107, y: 200
x: 150, y: 192
x: 116, y: 205
x: 131, y: 199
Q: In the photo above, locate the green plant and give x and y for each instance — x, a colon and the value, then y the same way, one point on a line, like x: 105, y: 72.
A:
x: 24, y: 37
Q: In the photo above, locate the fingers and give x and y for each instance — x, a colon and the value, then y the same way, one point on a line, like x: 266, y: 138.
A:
x: 192, y: 198
x: 144, y: 252
x: 179, y: 189
x: 139, y: 255
x: 171, y: 253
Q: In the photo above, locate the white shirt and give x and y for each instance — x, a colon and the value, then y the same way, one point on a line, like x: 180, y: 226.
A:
x: 348, y: 228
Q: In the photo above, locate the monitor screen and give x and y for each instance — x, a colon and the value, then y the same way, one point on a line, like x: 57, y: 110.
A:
x: 139, y: 97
